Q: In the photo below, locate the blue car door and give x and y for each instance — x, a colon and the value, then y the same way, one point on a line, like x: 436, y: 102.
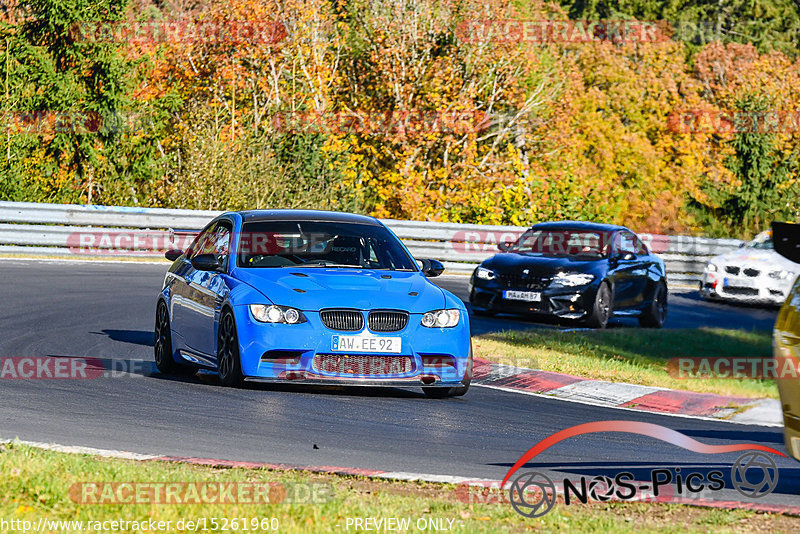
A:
x: 181, y: 291
x: 207, y: 290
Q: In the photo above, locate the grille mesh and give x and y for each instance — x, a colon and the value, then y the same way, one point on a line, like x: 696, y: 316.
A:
x: 522, y: 281
x: 361, y: 364
x: 343, y: 320
x: 752, y: 272
x: 387, y: 320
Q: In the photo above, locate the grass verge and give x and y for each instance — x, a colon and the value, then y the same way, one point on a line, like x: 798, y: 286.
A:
x: 37, y: 483
x: 633, y: 355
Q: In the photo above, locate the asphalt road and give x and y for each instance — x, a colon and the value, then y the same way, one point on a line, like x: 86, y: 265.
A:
x: 105, y: 310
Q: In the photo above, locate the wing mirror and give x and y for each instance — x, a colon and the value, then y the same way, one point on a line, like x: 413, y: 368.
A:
x: 431, y: 268
x: 786, y: 240
x: 206, y: 262
x: 173, y: 254
x: 505, y: 246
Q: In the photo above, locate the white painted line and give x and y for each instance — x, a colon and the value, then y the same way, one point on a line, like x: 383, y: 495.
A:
x: 73, y: 449
x: 602, y: 393
x: 764, y: 410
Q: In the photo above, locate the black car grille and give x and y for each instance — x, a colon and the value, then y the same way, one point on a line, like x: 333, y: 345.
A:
x: 524, y: 281
x: 363, y: 364
x: 741, y: 291
x: 732, y: 270
x: 752, y: 272
x: 387, y: 320
x: 343, y: 320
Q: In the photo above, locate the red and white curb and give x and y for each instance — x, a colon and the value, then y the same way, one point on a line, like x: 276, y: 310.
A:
x: 762, y: 412
x: 464, y: 482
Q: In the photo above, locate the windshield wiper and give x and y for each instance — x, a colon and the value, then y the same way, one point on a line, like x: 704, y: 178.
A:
x: 344, y: 265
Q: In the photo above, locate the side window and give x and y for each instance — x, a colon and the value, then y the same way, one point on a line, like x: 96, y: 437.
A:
x: 641, y: 248
x: 626, y: 243
x: 201, y: 243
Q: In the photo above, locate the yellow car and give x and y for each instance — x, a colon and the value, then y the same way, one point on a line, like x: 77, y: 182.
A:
x: 786, y: 342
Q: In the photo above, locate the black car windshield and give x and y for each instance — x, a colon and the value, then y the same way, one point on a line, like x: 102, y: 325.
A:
x: 321, y: 244
x: 564, y: 242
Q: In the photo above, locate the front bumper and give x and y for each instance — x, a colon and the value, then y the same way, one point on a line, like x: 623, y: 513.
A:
x: 755, y: 290
x: 302, y: 353
x: 561, y: 302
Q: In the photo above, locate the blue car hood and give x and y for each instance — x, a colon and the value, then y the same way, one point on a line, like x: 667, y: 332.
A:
x: 314, y: 289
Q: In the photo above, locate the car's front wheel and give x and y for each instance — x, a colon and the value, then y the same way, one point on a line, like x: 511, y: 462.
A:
x: 162, y: 343
x: 602, y: 309
x: 656, y: 313
x: 229, y: 364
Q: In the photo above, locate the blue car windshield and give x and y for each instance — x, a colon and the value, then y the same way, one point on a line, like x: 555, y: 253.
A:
x: 321, y: 244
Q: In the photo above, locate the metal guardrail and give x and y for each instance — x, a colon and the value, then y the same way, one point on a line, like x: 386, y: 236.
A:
x: 113, y: 231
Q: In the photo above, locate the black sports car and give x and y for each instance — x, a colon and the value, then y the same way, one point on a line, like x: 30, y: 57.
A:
x: 573, y: 270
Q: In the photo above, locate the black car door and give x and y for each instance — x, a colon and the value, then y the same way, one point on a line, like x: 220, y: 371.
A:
x: 628, y: 270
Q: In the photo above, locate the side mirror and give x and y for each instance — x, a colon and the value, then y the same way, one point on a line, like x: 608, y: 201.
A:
x: 504, y: 246
x: 786, y: 240
x: 431, y: 268
x: 206, y: 262
x: 742, y: 244
x: 173, y: 254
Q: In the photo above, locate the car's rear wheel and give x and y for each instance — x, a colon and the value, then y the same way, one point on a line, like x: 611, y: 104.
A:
x: 655, y: 314
x: 229, y: 364
x: 456, y: 391
x: 162, y: 343
x: 602, y: 309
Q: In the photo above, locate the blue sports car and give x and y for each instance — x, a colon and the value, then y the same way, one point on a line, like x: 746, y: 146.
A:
x: 310, y: 297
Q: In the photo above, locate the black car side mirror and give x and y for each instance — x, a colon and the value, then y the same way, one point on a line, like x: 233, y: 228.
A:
x: 431, y: 268
x: 173, y: 254
x: 206, y: 262
x: 786, y: 240
x: 504, y: 246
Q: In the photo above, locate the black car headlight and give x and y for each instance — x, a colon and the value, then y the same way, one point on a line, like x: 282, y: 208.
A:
x: 485, y: 274
x: 276, y: 314
x: 572, y: 279
x: 441, y: 319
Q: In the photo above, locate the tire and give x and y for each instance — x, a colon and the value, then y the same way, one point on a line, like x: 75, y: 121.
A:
x: 162, y: 342
x: 602, y: 309
x: 655, y: 314
x: 456, y: 391
x: 229, y: 364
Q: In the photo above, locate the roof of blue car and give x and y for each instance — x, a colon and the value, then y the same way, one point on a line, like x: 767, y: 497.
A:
x: 578, y: 225
x: 306, y: 215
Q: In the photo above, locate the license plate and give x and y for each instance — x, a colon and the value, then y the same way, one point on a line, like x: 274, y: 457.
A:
x: 372, y: 344
x: 527, y: 296
x: 737, y: 282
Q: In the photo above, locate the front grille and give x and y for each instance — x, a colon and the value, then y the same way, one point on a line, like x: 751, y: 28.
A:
x: 742, y: 291
x: 730, y: 269
x: 343, y: 320
x: 363, y: 364
x: 524, y: 281
x: 387, y: 320
x: 752, y: 273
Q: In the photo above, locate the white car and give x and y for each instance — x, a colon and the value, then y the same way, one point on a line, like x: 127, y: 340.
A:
x: 753, y: 273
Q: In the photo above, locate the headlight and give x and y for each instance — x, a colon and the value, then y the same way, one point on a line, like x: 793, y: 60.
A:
x: 572, y: 279
x: 276, y: 314
x: 712, y: 268
x: 781, y: 275
x: 485, y: 274
x: 441, y: 318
